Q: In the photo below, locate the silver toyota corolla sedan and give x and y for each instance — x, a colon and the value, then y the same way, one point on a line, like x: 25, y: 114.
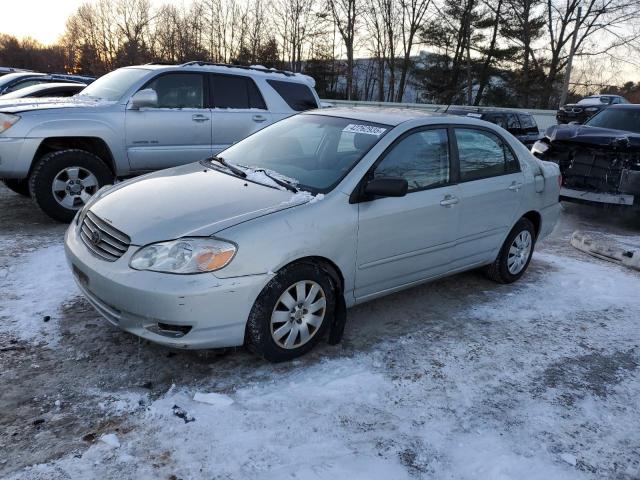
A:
x: 268, y: 243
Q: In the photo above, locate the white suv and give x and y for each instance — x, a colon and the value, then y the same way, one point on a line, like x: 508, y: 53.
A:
x: 135, y: 120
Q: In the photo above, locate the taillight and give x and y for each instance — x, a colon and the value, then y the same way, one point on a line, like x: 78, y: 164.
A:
x: 560, y: 180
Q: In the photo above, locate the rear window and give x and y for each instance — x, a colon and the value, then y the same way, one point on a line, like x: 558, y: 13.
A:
x: 234, y: 91
x: 297, y: 95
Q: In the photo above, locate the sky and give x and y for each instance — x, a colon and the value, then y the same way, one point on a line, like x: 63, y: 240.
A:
x: 43, y: 20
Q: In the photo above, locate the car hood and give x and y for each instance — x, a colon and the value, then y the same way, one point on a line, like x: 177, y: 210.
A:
x: 19, y: 105
x: 191, y: 200
x: 593, y: 136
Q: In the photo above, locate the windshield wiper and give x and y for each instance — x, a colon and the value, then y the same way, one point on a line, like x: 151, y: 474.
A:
x: 279, y: 181
x: 228, y: 166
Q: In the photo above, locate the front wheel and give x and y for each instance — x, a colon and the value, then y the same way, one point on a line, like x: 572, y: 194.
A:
x: 291, y: 313
x: 62, y: 182
x: 515, y: 254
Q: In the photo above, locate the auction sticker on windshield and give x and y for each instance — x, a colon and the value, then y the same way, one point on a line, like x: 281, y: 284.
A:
x: 368, y: 129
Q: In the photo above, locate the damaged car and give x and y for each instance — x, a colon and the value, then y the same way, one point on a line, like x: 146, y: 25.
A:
x: 267, y: 243
x: 600, y: 160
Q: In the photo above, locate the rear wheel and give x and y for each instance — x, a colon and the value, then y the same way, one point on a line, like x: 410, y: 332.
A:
x: 291, y: 313
x: 515, y: 254
x: 62, y: 182
x: 21, y: 187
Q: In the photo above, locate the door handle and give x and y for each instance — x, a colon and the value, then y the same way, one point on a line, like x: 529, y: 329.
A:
x: 515, y: 186
x: 199, y: 118
x: 449, y: 201
x: 259, y: 118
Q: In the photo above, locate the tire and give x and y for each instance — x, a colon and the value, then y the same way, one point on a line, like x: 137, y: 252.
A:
x: 261, y: 333
x: 91, y: 170
x: 499, y: 271
x: 21, y: 187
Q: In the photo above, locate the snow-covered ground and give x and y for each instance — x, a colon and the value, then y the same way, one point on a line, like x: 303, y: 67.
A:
x: 459, y: 379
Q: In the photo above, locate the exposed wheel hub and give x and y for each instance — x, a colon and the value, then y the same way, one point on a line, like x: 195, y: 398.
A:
x: 74, y: 187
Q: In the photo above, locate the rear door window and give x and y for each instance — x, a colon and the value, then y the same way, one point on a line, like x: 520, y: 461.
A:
x: 235, y: 91
x: 512, y: 122
x: 497, y: 118
x: 483, y: 154
x: 528, y: 123
x: 297, y: 95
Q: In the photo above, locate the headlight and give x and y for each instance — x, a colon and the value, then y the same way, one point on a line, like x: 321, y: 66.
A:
x: 7, y: 120
x: 185, y: 255
x: 540, y: 147
x: 591, y: 109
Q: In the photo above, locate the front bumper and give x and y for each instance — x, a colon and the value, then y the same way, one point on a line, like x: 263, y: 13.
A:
x: 142, y: 302
x: 16, y: 155
x: 570, y: 194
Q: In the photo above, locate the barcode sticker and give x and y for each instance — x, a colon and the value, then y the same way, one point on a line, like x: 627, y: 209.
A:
x: 368, y: 129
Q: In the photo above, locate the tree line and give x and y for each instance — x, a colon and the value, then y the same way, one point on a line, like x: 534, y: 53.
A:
x: 475, y: 52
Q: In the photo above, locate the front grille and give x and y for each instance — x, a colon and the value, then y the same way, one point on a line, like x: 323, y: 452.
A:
x: 102, y: 239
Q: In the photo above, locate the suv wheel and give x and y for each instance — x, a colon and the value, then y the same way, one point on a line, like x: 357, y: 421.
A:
x: 291, y: 313
x: 62, y: 182
x: 21, y: 187
x: 515, y: 254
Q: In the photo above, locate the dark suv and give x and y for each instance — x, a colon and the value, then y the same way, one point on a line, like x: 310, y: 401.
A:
x: 587, y: 107
x: 521, y: 125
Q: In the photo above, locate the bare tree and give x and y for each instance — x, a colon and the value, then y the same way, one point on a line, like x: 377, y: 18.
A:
x: 345, y: 16
x: 297, y: 25
x: 378, y: 43
x: 607, y: 19
x: 413, y: 15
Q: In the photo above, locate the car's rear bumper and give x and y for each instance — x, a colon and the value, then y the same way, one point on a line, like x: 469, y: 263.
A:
x: 550, y: 216
x: 160, y: 307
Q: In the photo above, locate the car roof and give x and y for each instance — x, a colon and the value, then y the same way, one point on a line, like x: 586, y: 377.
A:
x: 9, y: 76
x: 483, y: 110
x: 249, y: 71
x: 383, y: 115
x: 46, y: 86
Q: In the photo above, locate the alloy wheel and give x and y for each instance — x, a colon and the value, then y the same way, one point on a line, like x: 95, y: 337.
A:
x: 519, y: 252
x: 72, y: 187
x: 298, y: 314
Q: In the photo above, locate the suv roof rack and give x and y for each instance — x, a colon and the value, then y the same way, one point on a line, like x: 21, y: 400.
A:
x: 244, y: 67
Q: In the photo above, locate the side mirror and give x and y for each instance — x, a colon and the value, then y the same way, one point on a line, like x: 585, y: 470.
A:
x: 144, y: 98
x: 387, y: 187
